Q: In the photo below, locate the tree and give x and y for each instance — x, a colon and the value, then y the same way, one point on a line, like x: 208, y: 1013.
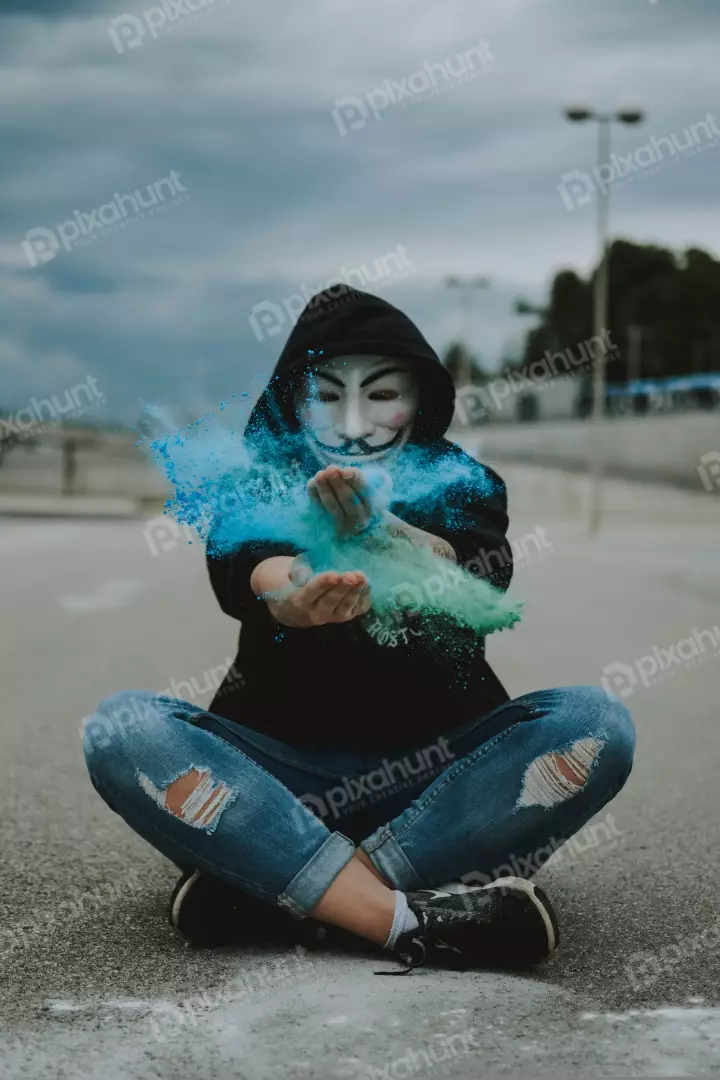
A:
x: 463, y: 367
x: 673, y: 297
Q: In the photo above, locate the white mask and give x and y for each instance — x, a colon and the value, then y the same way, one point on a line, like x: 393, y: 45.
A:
x: 358, y: 409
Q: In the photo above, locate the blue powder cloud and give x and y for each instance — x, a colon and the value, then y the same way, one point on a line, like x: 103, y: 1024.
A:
x: 232, y: 493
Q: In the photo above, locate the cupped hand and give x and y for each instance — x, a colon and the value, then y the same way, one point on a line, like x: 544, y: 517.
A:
x: 351, y: 498
x: 325, y: 598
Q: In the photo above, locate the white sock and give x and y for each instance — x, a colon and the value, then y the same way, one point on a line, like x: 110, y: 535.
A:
x: 457, y: 888
x: 403, y: 920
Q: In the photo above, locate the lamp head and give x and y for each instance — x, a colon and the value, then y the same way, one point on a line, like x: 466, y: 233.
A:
x: 579, y: 113
x: 631, y: 116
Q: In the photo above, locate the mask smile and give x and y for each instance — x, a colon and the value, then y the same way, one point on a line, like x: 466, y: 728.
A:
x: 359, y: 447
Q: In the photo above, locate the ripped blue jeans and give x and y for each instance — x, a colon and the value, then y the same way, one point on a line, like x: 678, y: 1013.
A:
x: 496, y: 796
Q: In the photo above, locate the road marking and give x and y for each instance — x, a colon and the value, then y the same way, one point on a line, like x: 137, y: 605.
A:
x: 14, y: 534
x: 60, y: 1006
x: 113, y: 593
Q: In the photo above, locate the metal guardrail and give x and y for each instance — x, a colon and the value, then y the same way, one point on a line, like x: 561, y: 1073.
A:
x: 55, y: 461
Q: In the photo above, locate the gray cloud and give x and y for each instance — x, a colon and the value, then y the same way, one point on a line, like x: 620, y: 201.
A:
x: 238, y: 100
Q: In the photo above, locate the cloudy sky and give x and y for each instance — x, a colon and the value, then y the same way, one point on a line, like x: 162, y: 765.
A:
x: 292, y: 163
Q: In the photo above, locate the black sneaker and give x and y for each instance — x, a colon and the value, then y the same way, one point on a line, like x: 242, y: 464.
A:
x: 206, y: 911
x: 507, y: 924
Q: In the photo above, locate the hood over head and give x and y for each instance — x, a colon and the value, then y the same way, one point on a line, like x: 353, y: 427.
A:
x: 341, y: 321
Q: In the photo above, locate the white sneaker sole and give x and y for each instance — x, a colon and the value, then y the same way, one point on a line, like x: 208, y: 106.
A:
x: 456, y: 888
x: 521, y: 885
x: 178, y: 902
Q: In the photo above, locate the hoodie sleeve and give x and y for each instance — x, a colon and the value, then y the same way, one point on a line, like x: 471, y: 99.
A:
x: 230, y: 570
x: 230, y: 574
x: 474, y: 521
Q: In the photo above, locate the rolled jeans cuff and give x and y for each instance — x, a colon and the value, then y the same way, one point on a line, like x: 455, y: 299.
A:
x: 316, y: 877
x: 388, y: 857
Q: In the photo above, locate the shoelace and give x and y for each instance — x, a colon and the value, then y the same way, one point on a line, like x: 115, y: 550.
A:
x: 411, y: 961
x: 419, y: 943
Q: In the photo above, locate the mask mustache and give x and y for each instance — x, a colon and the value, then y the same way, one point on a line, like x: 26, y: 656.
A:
x: 359, y: 447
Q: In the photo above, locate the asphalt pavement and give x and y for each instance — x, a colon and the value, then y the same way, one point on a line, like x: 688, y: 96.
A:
x: 95, y: 985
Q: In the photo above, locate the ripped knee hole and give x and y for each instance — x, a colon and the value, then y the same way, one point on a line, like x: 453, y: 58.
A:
x: 196, y: 797
x: 558, y: 775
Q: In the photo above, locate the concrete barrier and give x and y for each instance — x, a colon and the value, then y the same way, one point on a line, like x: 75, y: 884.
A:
x: 102, y: 465
x: 678, y: 449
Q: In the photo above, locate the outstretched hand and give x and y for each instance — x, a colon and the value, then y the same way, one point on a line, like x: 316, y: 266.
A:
x: 315, y: 600
x: 349, y: 497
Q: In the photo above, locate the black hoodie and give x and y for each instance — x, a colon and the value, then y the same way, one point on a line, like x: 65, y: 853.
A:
x: 363, y: 684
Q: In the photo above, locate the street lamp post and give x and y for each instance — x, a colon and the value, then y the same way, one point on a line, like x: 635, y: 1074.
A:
x: 635, y: 343
x: 466, y: 287
x: 579, y: 114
